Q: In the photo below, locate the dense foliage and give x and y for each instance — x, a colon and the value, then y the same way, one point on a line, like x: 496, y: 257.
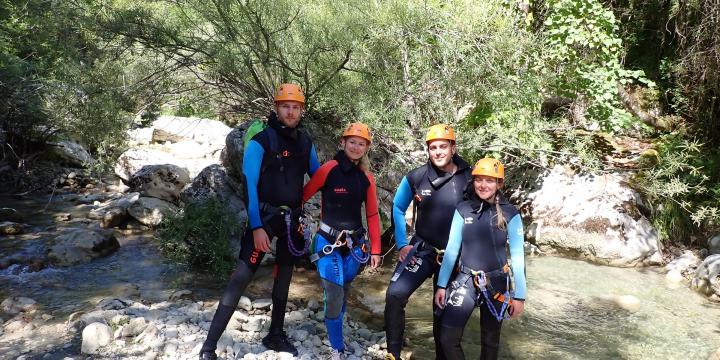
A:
x: 534, y: 82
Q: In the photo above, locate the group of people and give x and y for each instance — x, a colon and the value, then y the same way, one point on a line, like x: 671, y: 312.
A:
x: 463, y: 229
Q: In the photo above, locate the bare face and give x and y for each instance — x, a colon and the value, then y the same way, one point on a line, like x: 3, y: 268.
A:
x: 355, y: 147
x: 441, y: 153
x: 486, y: 187
x: 289, y: 112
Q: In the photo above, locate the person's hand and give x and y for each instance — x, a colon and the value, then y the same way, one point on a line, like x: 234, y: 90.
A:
x: 516, y: 309
x: 261, y: 240
x: 404, y: 252
x: 440, y: 298
x: 375, y: 261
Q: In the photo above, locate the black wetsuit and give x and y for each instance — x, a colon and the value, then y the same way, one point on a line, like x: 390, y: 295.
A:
x: 477, y: 244
x: 436, y: 193
x: 274, y: 179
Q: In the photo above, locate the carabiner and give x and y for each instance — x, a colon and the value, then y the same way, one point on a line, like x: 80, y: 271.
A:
x: 439, y: 256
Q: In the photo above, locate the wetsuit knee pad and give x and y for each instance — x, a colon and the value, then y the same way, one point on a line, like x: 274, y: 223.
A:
x: 334, y: 299
x: 394, y: 296
x: 239, y: 280
x: 450, y: 338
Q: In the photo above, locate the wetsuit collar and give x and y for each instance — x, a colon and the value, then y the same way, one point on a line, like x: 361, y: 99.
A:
x: 283, y: 130
x: 438, y: 177
x: 343, y: 161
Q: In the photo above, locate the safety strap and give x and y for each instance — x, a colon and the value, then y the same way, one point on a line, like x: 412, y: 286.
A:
x: 419, y: 249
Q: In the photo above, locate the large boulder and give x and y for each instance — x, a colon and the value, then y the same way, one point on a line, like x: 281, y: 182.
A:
x: 160, y: 181
x: 71, y: 153
x: 214, y: 182
x: 707, y: 277
x: 151, y: 211
x: 203, y: 131
x: 77, y: 246
x: 593, y: 217
x: 232, y: 155
x: 134, y: 159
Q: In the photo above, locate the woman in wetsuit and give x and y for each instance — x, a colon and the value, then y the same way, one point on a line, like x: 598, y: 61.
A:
x: 341, y: 244
x: 482, y: 228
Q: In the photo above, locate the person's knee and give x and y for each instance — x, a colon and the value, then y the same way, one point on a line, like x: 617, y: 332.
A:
x: 396, y: 297
x: 334, y: 299
x: 239, y: 280
x: 450, y: 337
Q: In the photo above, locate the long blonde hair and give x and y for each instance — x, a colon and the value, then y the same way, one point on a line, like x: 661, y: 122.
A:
x: 501, y: 222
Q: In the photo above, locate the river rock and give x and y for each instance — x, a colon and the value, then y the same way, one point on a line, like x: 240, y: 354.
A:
x: 245, y: 303
x: 94, y: 337
x: 715, y: 355
x: 139, y: 136
x: 62, y: 217
x: 714, y: 245
x: 78, y: 246
x: 71, y: 153
x: 10, y: 214
x: 16, y: 305
x: 134, y: 327
x: 114, y: 217
x: 151, y: 211
x: 262, y: 304
x: 11, y: 228
x: 177, y: 128
x: 160, y: 181
x: 595, y: 217
x: 684, y: 264
x: 707, y: 277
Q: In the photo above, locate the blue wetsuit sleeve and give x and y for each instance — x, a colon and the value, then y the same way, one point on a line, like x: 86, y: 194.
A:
x: 517, y: 255
x: 452, y: 250
x: 401, y: 201
x: 314, y: 163
x: 252, y: 161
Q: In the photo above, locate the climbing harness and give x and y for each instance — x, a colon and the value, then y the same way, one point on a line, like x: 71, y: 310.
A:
x: 287, y: 213
x: 419, y: 249
x: 349, y: 238
x: 480, y: 280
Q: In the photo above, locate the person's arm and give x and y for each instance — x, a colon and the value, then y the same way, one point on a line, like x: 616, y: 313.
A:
x: 317, y: 181
x: 252, y: 162
x: 314, y: 163
x: 401, y: 201
x: 452, y: 250
x: 517, y: 255
x: 372, y: 216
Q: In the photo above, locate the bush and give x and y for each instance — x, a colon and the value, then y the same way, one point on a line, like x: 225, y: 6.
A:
x: 198, y: 238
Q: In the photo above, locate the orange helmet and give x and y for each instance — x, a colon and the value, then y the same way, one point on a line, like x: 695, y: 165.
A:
x: 289, y: 92
x: 489, y: 167
x: 440, y: 132
x: 358, y: 129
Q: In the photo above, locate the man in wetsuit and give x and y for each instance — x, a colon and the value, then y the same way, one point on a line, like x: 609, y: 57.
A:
x: 436, y: 188
x: 274, y: 165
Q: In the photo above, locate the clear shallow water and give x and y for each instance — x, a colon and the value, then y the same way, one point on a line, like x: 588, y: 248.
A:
x: 572, y: 313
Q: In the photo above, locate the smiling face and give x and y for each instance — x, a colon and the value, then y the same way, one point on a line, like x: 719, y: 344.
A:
x: 441, y: 153
x: 355, y: 147
x: 289, y: 112
x: 486, y: 187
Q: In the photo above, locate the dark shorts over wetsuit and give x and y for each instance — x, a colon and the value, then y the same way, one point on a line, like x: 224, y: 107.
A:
x: 436, y: 193
x: 273, y: 181
x: 478, y: 244
x: 345, y: 187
